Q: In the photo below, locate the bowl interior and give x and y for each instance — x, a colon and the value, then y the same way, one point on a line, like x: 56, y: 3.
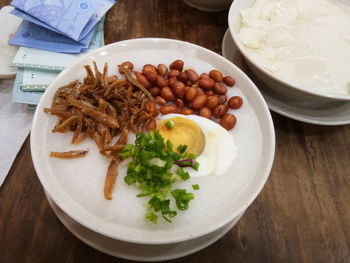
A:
x: 234, y: 22
x: 76, y: 186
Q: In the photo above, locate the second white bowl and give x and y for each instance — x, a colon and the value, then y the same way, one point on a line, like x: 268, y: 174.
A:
x: 277, y: 84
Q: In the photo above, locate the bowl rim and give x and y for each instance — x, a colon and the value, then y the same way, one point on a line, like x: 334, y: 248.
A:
x: 242, y: 50
x: 270, y: 146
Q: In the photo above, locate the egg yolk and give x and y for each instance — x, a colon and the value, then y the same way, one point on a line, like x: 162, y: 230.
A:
x: 183, y: 132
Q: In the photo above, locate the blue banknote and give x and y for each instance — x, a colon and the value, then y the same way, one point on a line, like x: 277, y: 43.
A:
x: 46, y: 60
x: 18, y: 95
x: 67, y: 16
x: 34, y: 36
x: 104, y: 6
x: 74, y: 19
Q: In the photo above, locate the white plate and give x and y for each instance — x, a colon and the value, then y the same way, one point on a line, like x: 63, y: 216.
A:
x: 7, y: 51
x: 134, y: 251
x: 337, y: 113
x: 76, y: 186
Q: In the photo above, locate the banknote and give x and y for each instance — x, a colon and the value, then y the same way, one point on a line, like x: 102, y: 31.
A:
x: 51, y: 61
x: 18, y: 95
x: 37, y: 80
x: 84, y: 41
x: 102, y: 9
x: 32, y: 35
x: 67, y: 16
x: 64, y: 16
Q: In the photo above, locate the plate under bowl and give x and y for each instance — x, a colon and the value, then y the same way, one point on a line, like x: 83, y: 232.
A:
x: 139, y: 252
x: 76, y: 186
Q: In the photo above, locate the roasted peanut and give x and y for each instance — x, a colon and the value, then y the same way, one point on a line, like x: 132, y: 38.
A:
x: 142, y: 80
x: 200, y: 90
x: 182, y: 77
x: 228, y: 121
x: 126, y: 64
x: 171, y: 81
x: 162, y: 70
x: 179, y: 103
x: 229, y: 81
x: 220, y: 89
x: 191, y: 93
x: 222, y: 99
x: 192, y: 75
x: 188, y: 83
x: 166, y: 109
x: 209, y: 93
x: 177, y: 64
x: 161, y: 82
x: 167, y: 94
x: 235, y: 102
x: 150, y: 72
x: 178, y: 89
x: 212, y: 102
x: 205, y: 112
x: 151, y: 108
x: 204, y: 76
x: 154, y: 91
x: 206, y: 83
x: 216, y: 75
x: 151, y: 125
x: 186, y: 111
x: 173, y: 73
x: 220, y: 111
x: 199, y: 101
x: 160, y: 100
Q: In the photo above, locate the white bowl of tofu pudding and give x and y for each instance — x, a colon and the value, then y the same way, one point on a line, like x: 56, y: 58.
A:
x: 299, y: 49
x: 239, y: 159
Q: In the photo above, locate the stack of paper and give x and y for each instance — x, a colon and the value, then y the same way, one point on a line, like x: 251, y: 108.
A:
x: 66, y: 26
x: 53, y: 34
x: 36, y: 69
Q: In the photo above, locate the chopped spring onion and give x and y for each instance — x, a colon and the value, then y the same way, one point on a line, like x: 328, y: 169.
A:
x: 196, y: 166
x: 150, y: 170
x: 182, y: 148
x: 195, y: 187
x: 169, y: 124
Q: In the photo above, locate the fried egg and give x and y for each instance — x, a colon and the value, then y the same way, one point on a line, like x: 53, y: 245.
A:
x: 213, y: 145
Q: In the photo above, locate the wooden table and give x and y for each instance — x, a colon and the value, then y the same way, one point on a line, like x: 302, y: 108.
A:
x: 302, y: 214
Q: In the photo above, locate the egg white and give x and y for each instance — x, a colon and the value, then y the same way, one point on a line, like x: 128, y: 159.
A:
x: 219, y: 148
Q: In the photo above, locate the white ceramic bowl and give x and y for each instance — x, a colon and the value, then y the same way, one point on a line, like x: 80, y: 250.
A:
x: 209, y: 5
x: 275, y: 83
x: 76, y: 186
x: 139, y: 252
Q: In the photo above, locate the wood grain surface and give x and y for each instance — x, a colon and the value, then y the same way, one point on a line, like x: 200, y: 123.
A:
x: 302, y: 214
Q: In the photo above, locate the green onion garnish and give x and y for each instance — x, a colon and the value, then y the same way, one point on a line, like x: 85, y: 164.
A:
x: 195, y: 187
x: 182, y: 148
x: 169, y: 124
x: 196, y: 166
x: 191, y: 156
x: 151, y: 171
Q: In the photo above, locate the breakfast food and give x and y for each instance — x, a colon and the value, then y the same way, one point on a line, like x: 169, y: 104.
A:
x: 153, y: 169
x: 305, y: 42
x: 212, y: 144
x: 106, y: 108
x: 102, y: 107
x: 70, y: 154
